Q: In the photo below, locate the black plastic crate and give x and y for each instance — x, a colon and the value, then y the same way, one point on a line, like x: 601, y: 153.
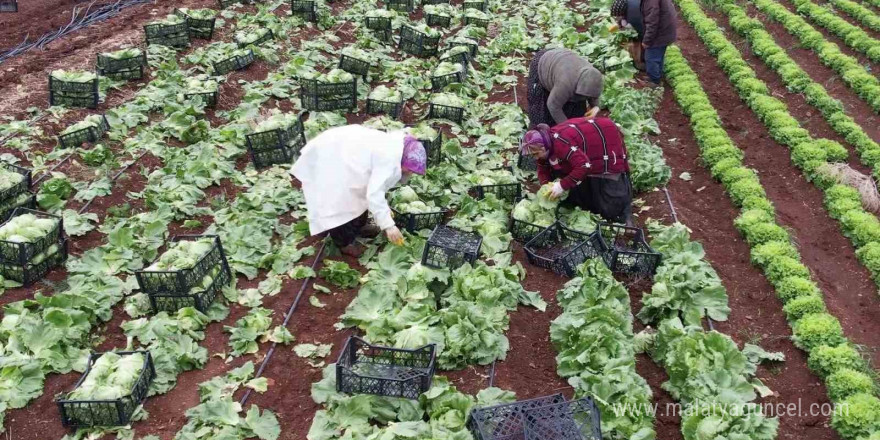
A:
x: 527, y: 163
x: 198, y: 27
x: 381, y: 25
x: 480, y: 5
x: 439, y: 82
x: 172, y: 35
x: 209, y: 98
x: 319, y: 96
x: 122, y: 69
x: 33, y: 271
x: 88, y: 134
x: 354, y: 65
x: 413, y: 222
x: 115, y: 412
x: 363, y: 368
x: 506, y: 421
x: 266, y: 37
x: 28, y: 202
x: 8, y: 6
x: 171, y: 290
x: 472, y: 48
x: 508, y: 192
x: 73, y: 94
x: 19, y: 188
x: 390, y: 108
x: 276, y: 146
x: 572, y: 420
x: 22, y: 253
x: 454, y: 114
x: 625, y: 250
x: 479, y: 22
x: 462, y: 58
x: 523, y: 231
x: 449, y: 247
x: 417, y: 43
x: 438, y: 20
x: 305, y: 9
x: 400, y: 5
x: 560, y: 249
x: 235, y: 62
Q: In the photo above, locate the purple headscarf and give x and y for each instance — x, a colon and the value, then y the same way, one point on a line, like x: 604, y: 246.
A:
x: 414, y: 159
x: 539, y: 136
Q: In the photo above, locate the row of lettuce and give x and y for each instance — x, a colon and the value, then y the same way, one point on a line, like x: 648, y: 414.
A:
x: 832, y: 357
x: 816, y: 158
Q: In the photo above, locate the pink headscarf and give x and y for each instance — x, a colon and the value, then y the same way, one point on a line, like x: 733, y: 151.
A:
x: 539, y: 136
x: 414, y: 159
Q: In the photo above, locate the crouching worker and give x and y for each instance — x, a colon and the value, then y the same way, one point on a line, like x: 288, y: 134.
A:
x: 345, y: 172
x: 561, y: 85
x: 587, y: 158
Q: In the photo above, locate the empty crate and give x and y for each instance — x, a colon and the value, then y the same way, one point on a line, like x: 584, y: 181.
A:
x: 571, y: 420
x: 450, y: 248
x: 363, y: 368
x: 560, y: 249
x: 304, y: 9
x: 625, y: 250
x: 508, y: 192
x: 506, y: 421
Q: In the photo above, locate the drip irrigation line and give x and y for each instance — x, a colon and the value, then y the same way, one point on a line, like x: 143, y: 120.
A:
x: 492, y: 374
x: 287, y: 316
x: 116, y: 176
x: 80, y: 17
x: 49, y: 171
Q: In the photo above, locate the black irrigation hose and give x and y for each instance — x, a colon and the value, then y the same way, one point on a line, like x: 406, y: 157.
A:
x: 79, y: 18
x: 492, y: 374
x: 287, y: 316
x: 49, y: 171
x: 116, y: 176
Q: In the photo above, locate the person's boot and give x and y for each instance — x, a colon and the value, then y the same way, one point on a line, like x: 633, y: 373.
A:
x: 370, y: 231
x: 353, y: 250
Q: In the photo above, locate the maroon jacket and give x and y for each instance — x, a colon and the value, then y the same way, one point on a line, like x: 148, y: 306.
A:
x: 660, y: 21
x: 581, y: 148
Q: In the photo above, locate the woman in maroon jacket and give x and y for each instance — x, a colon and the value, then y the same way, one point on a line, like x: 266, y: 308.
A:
x: 587, y: 158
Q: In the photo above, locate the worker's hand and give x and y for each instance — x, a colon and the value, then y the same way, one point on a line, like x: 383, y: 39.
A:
x: 591, y: 113
x: 643, y: 46
x: 394, y: 235
x: 556, y: 191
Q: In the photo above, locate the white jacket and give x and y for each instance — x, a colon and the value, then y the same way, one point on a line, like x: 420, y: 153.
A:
x: 346, y: 171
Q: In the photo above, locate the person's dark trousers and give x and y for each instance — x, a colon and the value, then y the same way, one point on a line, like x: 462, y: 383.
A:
x: 654, y: 57
x: 345, y: 234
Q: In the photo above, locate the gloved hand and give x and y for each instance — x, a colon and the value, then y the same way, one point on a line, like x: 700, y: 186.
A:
x: 591, y: 113
x: 394, y: 235
x: 556, y: 191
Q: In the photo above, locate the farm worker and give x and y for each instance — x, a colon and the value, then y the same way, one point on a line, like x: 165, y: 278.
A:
x: 345, y: 172
x: 587, y: 158
x: 561, y: 85
x: 659, y: 23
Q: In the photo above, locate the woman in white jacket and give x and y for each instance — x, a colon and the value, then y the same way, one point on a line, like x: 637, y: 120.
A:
x: 345, y: 172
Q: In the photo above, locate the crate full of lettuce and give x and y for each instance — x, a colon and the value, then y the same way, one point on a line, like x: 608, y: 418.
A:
x: 412, y: 213
x: 31, y: 243
x: 419, y: 40
x: 334, y: 90
x: 533, y: 214
x: 276, y: 139
x: 190, y: 273
x: 90, y: 129
x: 446, y: 106
x: 123, y: 64
x: 385, y: 100
x: 171, y: 31
x: 501, y: 182
x: 15, y: 183
x: 73, y: 89
x: 446, y: 73
x: 200, y: 22
x: 112, y: 387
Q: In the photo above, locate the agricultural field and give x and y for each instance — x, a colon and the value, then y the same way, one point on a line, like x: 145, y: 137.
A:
x: 158, y: 280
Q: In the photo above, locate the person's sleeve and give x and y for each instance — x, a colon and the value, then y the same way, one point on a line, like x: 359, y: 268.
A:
x: 545, y: 172
x: 651, y: 20
x: 558, y: 97
x: 579, y: 170
x: 381, y: 179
